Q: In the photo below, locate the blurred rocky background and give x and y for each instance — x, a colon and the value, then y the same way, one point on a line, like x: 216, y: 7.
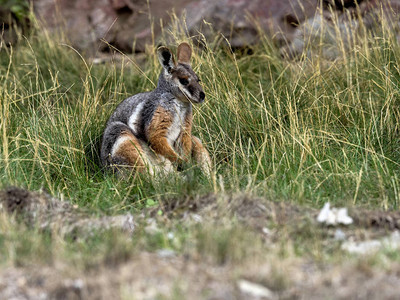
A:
x: 129, y: 25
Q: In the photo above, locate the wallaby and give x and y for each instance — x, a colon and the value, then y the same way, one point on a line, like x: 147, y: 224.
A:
x: 153, y: 130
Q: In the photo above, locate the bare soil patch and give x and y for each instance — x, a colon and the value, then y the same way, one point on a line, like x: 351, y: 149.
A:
x: 48, y: 213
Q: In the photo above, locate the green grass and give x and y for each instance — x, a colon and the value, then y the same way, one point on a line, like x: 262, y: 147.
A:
x: 306, y: 132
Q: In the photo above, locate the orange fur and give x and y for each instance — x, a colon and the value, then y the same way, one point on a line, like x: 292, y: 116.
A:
x: 131, y: 151
x: 157, y: 134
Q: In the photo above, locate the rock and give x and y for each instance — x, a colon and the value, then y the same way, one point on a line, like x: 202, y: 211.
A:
x: 391, y: 242
x: 166, y: 253
x: 322, y: 29
x: 339, y: 235
x: 125, y: 24
x: 254, y: 290
x: 365, y: 247
x: 334, y: 216
x: 335, y: 30
x: 130, y: 24
x: 237, y: 19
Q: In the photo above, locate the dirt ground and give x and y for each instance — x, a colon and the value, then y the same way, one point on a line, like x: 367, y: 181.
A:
x: 152, y: 276
x: 166, y: 274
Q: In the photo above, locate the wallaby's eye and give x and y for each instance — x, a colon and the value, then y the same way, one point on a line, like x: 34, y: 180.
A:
x: 183, y: 81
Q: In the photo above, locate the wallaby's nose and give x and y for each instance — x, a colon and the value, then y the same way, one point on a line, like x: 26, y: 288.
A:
x: 202, y: 96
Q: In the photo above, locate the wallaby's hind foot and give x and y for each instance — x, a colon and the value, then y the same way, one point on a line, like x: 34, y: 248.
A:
x: 201, y: 156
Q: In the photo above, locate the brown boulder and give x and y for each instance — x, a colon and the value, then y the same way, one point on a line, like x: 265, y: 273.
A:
x: 125, y: 24
x: 240, y: 20
x: 334, y: 30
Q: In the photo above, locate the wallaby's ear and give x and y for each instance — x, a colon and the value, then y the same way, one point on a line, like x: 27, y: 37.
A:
x: 184, y: 53
x: 166, y: 58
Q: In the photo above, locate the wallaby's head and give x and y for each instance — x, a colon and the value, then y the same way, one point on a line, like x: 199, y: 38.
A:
x: 179, y: 78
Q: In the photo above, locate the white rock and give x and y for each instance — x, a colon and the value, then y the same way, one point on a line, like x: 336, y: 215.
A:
x: 324, y: 213
x: 197, y: 218
x: 371, y: 246
x: 266, y: 231
x: 255, y: 290
x: 339, y: 235
x: 166, y: 253
x: 342, y: 216
x: 365, y: 247
x: 334, y: 216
